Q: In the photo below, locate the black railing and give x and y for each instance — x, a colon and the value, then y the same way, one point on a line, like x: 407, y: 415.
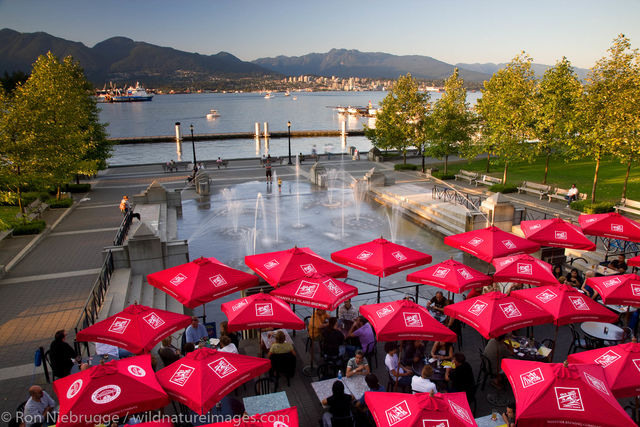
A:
x: 123, y: 230
x: 94, y: 302
x: 470, y: 201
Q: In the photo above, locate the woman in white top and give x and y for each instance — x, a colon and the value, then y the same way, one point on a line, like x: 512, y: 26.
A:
x: 422, y: 383
x: 227, y: 346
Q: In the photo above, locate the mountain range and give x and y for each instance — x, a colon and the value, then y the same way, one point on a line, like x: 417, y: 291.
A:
x: 122, y: 60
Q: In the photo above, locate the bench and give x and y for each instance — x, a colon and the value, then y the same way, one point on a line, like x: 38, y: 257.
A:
x: 561, y: 194
x: 466, y: 175
x: 532, y: 187
x: 488, y: 180
x: 34, y: 210
x: 630, y: 206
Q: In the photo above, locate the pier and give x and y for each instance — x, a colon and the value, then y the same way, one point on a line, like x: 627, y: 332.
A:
x: 233, y: 135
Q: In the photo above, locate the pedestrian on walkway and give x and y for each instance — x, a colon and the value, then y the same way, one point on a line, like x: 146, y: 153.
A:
x: 61, y: 355
x: 267, y: 167
x: 125, y: 206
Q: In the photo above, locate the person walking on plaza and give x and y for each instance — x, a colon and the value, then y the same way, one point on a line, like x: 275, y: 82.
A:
x: 267, y: 168
x: 219, y: 162
x: 125, y: 206
x: 572, y: 195
x: 39, y: 408
x: 61, y: 355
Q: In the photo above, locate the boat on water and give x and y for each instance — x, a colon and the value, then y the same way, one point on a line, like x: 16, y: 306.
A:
x: 212, y: 114
x: 132, y: 94
x: 287, y: 93
x: 268, y: 95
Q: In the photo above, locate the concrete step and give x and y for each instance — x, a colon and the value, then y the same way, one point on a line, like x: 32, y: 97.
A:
x: 174, y: 305
x: 159, y: 298
x: 135, y: 290
x: 118, y: 289
x: 147, y: 295
x: 172, y: 224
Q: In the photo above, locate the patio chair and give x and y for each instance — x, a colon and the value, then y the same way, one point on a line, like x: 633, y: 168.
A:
x: 327, y: 371
x: 485, y: 372
x: 342, y: 421
x: 283, y: 364
x: 577, y: 342
x: 372, y: 354
x: 265, y: 386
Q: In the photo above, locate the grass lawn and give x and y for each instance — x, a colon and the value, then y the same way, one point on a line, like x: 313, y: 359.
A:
x: 7, y: 213
x: 562, y: 174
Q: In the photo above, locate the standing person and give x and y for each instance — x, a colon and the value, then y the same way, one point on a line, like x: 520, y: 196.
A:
x: 61, y: 355
x: 572, y: 195
x: 279, y: 184
x: 219, y: 162
x: 317, y: 323
x: 125, y: 206
x: 196, y: 331
x: 267, y: 167
x: 461, y: 377
x: 38, y: 409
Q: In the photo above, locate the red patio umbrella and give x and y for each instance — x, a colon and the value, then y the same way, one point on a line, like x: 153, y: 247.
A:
x: 621, y: 364
x: 405, y: 320
x: 523, y: 269
x: 491, y: 242
x: 203, y: 377
x: 566, y: 304
x: 494, y: 314
x: 381, y: 258
x: 612, y: 225
x: 623, y: 289
x: 317, y: 291
x: 285, y: 266
x: 201, y: 281
x: 634, y: 262
x: 554, y: 394
x: 558, y: 233
x: 260, y: 311
x: 137, y: 328
x: 116, y: 388
x: 283, y: 418
x: 419, y: 410
x: 451, y: 276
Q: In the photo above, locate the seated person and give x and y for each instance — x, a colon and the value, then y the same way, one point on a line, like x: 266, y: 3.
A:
x: 196, y: 331
x: 461, y: 377
x: 332, y: 340
x: 188, y: 348
x: 398, y: 373
x: 39, y: 408
x: 61, y: 355
x: 574, y: 278
x: 168, y: 353
x: 224, y: 330
x: 362, y: 330
x: 317, y: 323
x: 619, y: 264
x: 572, y: 194
x: 562, y: 280
x: 281, y: 346
x: 339, y: 404
x: 414, y: 353
x: 588, y: 290
x: 509, y: 416
x: 358, y: 365
x: 373, y: 384
x: 422, y: 383
x: 438, y: 302
x: 347, y: 313
x: 442, y: 350
x: 227, y: 346
x: 514, y: 287
x: 557, y: 271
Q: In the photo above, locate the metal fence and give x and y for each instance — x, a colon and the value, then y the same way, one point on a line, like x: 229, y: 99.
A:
x: 123, y: 230
x: 470, y: 201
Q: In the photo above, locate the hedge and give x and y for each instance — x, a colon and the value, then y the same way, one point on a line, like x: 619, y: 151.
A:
x: 443, y: 176
x: 503, y: 188
x: 62, y: 203
x: 77, y: 188
x: 402, y: 166
x: 33, y: 227
x: 588, y: 208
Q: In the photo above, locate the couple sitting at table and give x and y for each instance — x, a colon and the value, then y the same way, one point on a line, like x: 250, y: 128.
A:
x: 342, y: 406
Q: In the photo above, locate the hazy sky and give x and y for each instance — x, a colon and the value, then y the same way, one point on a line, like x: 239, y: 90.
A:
x: 448, y: 30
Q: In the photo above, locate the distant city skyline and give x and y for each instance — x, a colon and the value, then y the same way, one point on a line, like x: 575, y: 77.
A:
x: 448, y: 30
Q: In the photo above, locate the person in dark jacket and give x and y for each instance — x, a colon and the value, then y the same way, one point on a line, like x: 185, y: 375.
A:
x: 61, y: 355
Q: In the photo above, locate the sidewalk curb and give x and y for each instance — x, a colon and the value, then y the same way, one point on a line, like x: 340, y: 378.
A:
x: 34, y: 242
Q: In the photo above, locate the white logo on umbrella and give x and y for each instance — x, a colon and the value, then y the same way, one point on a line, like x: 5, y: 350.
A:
x: 397, y: 413
x: 435, y: 423
x: 569, y: 399
x: 561, y: 235
x: 178, y: 279
x: 384, y: 311
x: 532, y: 377
x: 460, y: 411
x: 74, y: 389
x: 596, y: 383
x: 264, y: 309
x: 271, y: 264
x: 333, y: 287
x: 506, y: 261
x: 222, y: 367
x: 239, y: 305
x: 106, y: 394
x: 217, y: 280
x: 441, y: 272
x: 635, y: 289
x: 509, y: 244
x: 637, y: 363
x: 308, y: 269
x: 524, y: 268
x: 617, y: 228
x: 136, y: 371
x: 535, y: 227
x: 579, y: 303
x: 181, y: 375
x: 510, y: 310
x: 399, y: 256
x: 306, y: 289
x: 476, y: 241
x: 119, y: 325
x: 364, y: 255
x: 546, y: 296
x: 607, y: 358
x: 612, y: 282
x: 412, y: 320
x: 478, y: 307
x: 465, y: 273
x: 153, y: 320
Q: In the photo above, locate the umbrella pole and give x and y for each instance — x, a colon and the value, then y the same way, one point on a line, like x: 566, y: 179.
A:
x: 635, y: 418
x: 553, y: 350
x: 308, y: 370
x: 378, y: 289
x: 204, y: 313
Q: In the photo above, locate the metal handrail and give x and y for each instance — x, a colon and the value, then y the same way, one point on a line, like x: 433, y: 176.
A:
x: 470, y: 201
x: 124, y: 229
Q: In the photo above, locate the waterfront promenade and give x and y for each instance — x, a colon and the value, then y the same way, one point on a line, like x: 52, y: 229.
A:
x: 46, y: 290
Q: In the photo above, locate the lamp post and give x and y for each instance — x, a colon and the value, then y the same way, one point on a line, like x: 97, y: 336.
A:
x: 193, y: 147
x: 289, y: 136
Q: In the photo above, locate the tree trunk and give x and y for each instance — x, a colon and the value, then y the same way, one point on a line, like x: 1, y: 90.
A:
x: 504, y: 175
x: 423, y: 170
x: 546, y: 169
x: 20, y: 203
x: 77, y: 178
x: 488, y: 161
x: 58, y: 193
x: 446, y: 163
x: 626, y: 180
x: 404, y: 156
x: 595, y: 180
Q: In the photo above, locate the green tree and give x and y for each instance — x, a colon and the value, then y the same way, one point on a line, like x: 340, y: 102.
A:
x: 401, y: 122
x: 556, y: 104
x: 507, y: 111
x: 451, y: 121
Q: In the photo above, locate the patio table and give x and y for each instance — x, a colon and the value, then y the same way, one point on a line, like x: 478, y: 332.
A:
x: 266, y: 403
x: 269, y: 338
x: 597, y: 330
x: 323, y: 388
x: 486, y: 421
